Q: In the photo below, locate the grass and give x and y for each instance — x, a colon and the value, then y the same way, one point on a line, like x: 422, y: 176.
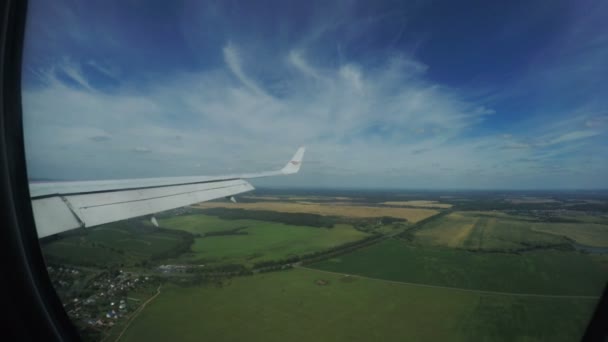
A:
x: 290, y: 306
x: 202, y: 224
x: 500, y: 234
x: 130, y: 242
x: 488, y: 231
x: 112, y: 244
x: 584, y: 218
x: 589, y: 234
x: 346, y: 210
x: 540, y: 272
x: 263, y: 241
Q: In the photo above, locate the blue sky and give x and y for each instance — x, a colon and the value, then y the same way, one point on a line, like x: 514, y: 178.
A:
x: 416, y: 94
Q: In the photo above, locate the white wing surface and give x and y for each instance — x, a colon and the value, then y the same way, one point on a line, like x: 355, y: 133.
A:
x: 61, y: 206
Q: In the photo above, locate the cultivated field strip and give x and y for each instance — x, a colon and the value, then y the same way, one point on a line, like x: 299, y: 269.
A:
x: 497, y: 293
x: 346, y: 210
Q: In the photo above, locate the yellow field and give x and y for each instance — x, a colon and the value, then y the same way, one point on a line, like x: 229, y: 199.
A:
x: 421, y: 204
x: 411, y: 214
x: 295, y: 198
x: 267, y: 198
x: 316, y: 198
x: 595, y: 235
x: 485, y: 213
x: 453, y: 231
x: 452, y: 235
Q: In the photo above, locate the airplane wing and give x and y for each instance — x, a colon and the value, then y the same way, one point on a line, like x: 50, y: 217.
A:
x: 61, y: 206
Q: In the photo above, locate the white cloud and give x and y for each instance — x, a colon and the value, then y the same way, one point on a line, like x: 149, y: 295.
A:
x: 382, y: 127
x: 597, y: 122
x: 108, y: 71
x: 75, y: 74
x: 353, y: 76
x: 517, y: 145
x: 571, y: 136
x: 233, y: 61
x: 298, y: 61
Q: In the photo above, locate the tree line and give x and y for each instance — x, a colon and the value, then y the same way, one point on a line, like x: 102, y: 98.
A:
x: 312, y: 257
x: 298, y: 219
x: 234, y: 231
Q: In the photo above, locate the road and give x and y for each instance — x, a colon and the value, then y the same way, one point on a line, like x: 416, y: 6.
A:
x: 140, y: 309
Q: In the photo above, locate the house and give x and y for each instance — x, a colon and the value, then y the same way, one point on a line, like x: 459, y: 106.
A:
x: 111, y: 314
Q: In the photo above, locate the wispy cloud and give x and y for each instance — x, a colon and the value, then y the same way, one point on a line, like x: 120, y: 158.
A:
x: 298, y: 61
x: 349, y: 111
x: 233, y: 62
x: 381, y: 121
x: 351, y: 121
x: 571, y: 136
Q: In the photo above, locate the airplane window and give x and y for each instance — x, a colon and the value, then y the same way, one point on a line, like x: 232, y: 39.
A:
x: 313, y: 171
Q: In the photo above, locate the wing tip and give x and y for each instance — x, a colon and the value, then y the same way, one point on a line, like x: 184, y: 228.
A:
x: 293, y: 166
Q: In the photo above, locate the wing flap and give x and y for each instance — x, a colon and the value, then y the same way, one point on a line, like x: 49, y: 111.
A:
x: 52, y: 215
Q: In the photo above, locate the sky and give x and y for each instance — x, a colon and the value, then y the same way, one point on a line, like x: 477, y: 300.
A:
x: 384, y: 94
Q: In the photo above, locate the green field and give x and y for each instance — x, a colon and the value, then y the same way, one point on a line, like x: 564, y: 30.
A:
x: 125, y: 242
x: 202, y: 224
x: 589, y: 234
x: 262, y: 241
x: 540, y: 272
x: 290, y: 306
x: 494, y: 231
x: 584, y: 218
x: 461, y: 275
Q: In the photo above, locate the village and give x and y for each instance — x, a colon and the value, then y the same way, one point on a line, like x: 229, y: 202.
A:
x: 98, y: 300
